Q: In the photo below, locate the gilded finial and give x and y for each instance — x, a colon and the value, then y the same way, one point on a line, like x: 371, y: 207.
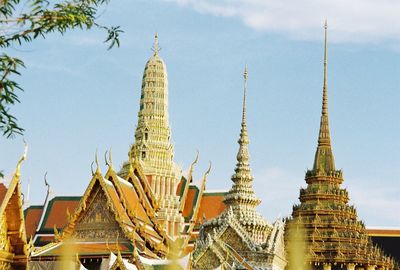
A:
x: 23, y: 157
x: 91, y: 167
x: 109, y: 161
x: 97, y: 164
x: 197, y: 158
x: 105, y: 158
x: 110, y: 158
x: 156, y: 47
x: 192, y: 165
x: 46, y: 183
x: 209, y: 169
x: 245, y: 77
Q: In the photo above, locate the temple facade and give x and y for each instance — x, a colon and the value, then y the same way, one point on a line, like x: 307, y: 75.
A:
x: 240, y: 238
x: 324, y: 231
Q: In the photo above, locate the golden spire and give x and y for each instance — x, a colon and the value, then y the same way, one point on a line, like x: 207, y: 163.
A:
x: 324, y: 160
x: 243, y: 153
x: 156, y: 47
x: 242, y: 177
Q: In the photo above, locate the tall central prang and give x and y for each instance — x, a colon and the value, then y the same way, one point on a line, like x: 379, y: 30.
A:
x: 153, y: 147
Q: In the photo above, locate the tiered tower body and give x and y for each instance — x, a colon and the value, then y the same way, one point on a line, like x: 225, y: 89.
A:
x: 334, y: 237
x: 153, y: 145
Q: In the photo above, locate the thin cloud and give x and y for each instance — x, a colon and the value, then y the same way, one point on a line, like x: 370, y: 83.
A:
x: 377, y: 205
x: 350, y: 21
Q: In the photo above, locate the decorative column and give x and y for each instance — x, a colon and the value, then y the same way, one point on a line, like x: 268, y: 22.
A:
x: 162, y: 187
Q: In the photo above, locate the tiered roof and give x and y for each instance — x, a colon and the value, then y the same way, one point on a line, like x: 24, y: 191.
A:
x: 113, y: 210
x: 324, y: 219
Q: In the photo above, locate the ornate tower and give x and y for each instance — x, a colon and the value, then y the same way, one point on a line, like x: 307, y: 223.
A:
x: 334, y: 237
x: 153, y: 147
x: 241, y: 198
x: 240, y: 238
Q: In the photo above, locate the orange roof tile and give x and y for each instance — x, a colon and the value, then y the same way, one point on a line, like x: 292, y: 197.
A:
x: 32, y: 219
x: 3, y: 191
x: 56, y: 213
x: 133, y: 201
x: 191, y: 199
x: 211, y: 205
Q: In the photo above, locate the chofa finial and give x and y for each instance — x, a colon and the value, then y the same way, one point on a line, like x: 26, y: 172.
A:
x: 97, y: 164
x: 23, y: 157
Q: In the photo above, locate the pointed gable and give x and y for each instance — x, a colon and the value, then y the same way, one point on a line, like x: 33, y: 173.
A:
x: 100, y: 214
x: 13, y: 244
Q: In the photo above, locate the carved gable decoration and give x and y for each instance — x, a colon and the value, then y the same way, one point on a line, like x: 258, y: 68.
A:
x: 98, y: 222
x: 232, y: 238
x: 4, y: 239
x: 209, y: 260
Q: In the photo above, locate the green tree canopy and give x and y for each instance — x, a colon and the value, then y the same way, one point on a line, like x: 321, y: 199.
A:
x: 24, y: 21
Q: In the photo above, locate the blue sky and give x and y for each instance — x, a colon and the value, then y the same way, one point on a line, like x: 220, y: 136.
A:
x: 79, y: 97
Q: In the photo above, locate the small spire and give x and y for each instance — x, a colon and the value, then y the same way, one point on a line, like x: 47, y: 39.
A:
x: 156, y: 47
x: 245, y: 77
x: 243, y: 155
x: 324, y: 160
x: 242, y: 170
x: 325, y: 94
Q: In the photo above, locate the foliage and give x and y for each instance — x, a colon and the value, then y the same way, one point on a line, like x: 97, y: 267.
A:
x: 38, y: 18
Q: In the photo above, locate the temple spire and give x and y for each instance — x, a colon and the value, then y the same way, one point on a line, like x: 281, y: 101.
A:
x: 156, y: 47
x: 242, y: 192
x: 325, y: 89
x: 324, y: 160
x: 243, y: 153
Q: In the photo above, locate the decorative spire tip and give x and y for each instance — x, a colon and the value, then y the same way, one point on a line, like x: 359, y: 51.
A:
x: 156, y: 47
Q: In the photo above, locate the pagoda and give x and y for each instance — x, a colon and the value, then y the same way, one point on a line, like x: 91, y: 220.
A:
x: 240, y: 238
x: 324, y: 231
x: 153, y: 147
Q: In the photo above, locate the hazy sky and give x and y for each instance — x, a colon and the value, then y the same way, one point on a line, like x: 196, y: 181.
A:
x: 79, y: 96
